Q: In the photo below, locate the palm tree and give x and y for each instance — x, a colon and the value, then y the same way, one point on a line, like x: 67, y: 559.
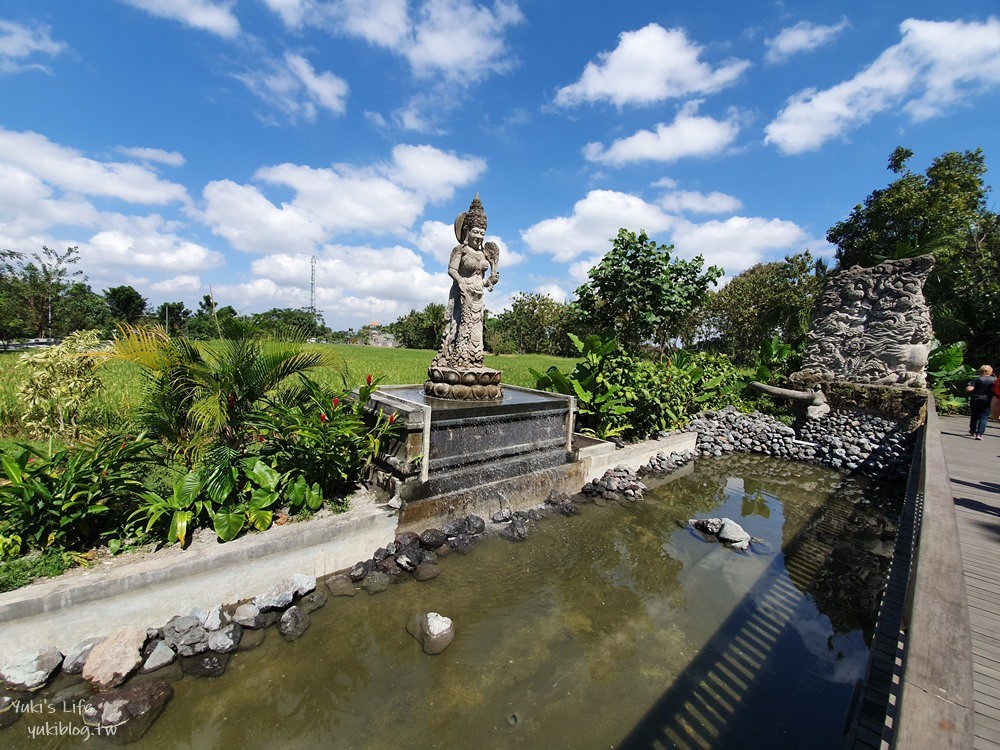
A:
x: 198, y: 400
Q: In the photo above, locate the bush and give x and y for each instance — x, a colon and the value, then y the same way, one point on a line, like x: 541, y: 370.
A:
x: 663, y: 395
x: 60, y: 380
x: 71, y: 497
x: 600, y: 400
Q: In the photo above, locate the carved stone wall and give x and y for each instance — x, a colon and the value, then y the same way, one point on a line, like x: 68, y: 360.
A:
x: 871, y: 325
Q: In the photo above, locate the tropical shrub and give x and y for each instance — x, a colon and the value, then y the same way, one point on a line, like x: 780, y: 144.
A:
x: 312, y: 444
x: 59, y: 380
x: 774, y: 359
x: 199, y: 400
x: 323, y: 436
x: 662, y: 396
x: 600, y: 400
x: 947, y: 376
x: 70, y: 497
x: 183, y: 508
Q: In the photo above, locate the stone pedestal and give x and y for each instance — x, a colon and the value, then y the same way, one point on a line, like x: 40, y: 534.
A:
x: 443, y: 445
x: 474, y: 384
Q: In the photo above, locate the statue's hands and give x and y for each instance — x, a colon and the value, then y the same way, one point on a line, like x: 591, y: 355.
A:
x: 492, y: 281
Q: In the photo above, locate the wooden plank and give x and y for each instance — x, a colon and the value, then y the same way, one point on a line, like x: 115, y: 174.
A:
x: 977, y: 513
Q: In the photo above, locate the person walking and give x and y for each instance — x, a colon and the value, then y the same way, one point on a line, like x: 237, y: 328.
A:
x: 980, y: 392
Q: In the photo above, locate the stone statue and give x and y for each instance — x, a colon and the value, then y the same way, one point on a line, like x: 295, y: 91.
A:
x: 457, y: 371
x: 872, y: 325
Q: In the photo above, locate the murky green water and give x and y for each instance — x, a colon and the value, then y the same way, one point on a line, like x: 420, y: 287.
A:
x: 613, y: 628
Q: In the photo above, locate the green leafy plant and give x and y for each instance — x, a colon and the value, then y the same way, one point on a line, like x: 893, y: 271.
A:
x: 600, y: 400
x: 260, y: 491
x: 72, y: 496
x: 772, y: 359
x: 322, y: 435
x: 200, y: 400
x: 184, y: 506
x: 947, y: 375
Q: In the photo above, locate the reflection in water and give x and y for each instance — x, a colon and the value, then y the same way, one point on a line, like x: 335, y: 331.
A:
x: 616, y: 627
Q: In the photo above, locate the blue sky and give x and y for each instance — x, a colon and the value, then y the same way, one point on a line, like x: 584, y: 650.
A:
x: 195, y: 145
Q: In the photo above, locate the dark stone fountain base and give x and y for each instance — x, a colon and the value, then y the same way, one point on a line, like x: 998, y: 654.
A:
x: 448, y: 445
x: 473, y: 384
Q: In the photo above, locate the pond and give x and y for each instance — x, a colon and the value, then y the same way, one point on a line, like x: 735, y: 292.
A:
x: 617, y: 627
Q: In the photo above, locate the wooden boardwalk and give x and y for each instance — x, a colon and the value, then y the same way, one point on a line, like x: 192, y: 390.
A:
x: 974, y: 469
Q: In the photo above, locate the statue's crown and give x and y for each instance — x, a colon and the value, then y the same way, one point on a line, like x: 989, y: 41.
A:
x: 475, y: 216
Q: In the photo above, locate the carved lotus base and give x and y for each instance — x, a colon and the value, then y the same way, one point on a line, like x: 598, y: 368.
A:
x: 476, y: 384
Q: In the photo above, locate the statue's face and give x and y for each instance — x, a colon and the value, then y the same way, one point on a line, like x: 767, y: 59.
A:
x: 476, y: 236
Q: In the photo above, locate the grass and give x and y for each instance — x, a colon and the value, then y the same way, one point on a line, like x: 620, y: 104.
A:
x: 21, y: 571
x: 122, y: 390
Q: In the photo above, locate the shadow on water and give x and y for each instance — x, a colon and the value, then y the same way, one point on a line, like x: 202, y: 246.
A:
x: 726, y: 697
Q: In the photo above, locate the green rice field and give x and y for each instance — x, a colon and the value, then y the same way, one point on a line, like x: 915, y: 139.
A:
x: 123, y: 381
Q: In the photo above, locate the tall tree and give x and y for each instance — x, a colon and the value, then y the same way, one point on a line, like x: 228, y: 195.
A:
x: 125, y: 304
x: 172, y: 316
x: 305, y: 320
x: 420, y: 329
x: 643, y: 294
x: 536, y: 324
x: 765, y: 300
x: 79, y: 308
x: 938, y: 209
x: 41, y: 282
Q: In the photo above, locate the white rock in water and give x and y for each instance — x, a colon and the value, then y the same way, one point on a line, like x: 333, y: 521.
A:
x: 437, y: 625
x: 732, y: 533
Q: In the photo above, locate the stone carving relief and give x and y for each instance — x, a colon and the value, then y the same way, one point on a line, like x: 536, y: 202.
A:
x: 872, y: 325
x: 457, y: 372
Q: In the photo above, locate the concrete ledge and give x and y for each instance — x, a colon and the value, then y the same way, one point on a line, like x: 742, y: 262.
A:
x: 65, y: 610
x: 634, y: 456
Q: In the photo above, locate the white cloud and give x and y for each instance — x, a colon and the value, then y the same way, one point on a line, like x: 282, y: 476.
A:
x: 250, y: 222
x: 555, y: 291
x: 146, y: 242
x: 578, y: 270
x: 595, y: 221
x: 437, y: 239
x: 738, y: 242
x: 935, y: 65
x: 688, y: 201
x: 689, y: 134
x: 432, y: 172
x: 460, y: 40
x: 67, y: 169
x: 297, y: 89
x: 649, y: 65
x: 29, y: 206
x: 667, y: 183
x: 20, y: 46
x: 183, y: 284
x: 385, y: 198
x: 293, y: 12
x: 215, y: 16
x: 457, y: 40
x: 169, y: 158
x: 802, y: 37
x: 354, y: 284
x: 384, y: 23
